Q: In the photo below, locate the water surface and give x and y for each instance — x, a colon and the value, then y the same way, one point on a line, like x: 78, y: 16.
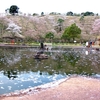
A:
x: 19, y: 70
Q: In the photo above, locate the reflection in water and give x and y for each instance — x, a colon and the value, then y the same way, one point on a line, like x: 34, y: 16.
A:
x: 72, y: 57
x: 86, y: 52
x: 19, y: 69
x: 11, y: 74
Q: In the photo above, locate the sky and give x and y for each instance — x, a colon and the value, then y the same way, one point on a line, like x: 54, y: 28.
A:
x: 47, y: 6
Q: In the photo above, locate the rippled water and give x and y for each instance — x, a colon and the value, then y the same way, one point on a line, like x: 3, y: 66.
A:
x: 19, y: 70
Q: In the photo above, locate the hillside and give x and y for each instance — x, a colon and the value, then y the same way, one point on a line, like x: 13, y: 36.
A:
x: 38, y: 26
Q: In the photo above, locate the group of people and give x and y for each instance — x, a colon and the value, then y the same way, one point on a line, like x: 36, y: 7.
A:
x: 89, y: 44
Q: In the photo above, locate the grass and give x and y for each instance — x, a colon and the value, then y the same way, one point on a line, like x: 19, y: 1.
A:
x: 52, y: 44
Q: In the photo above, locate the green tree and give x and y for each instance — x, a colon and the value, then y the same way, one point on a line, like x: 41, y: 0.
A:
x: 49, y: 35
x: 60, y: 21
x: 42, y: 13
x: 71, y: 32
x: 13, y: 9
x: 59, y: 25
x: 69, y: 13
x: 82, y: 18
x: 87, y: 13
x: 35, y: 14
x: 82, y: 21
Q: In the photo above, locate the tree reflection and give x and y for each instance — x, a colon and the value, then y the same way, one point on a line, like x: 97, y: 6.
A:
x: 9, y: 57
x: 59, y: 61
x: 72, y: 57
x: 71, y: 61
x: 11, y: 74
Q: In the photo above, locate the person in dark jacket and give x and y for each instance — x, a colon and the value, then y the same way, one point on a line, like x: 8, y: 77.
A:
x: 41, y: 45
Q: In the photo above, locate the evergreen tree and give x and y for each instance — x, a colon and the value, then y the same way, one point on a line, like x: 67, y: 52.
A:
x: 13, y: 9
x: 71, y: 32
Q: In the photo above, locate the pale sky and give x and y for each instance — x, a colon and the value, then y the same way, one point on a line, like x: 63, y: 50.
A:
x: 47, y: 6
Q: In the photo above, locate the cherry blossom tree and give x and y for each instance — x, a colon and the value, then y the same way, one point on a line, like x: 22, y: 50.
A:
x: 13, y: 28
x: 3, y: 26
x: 96, y: 27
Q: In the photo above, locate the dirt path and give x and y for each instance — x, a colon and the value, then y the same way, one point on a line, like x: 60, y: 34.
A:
x: 76, y: 88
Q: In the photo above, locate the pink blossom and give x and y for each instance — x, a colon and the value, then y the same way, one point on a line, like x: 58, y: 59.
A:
x: 96, y: 26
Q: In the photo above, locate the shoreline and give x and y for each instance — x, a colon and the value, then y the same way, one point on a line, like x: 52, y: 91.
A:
x: 82, y: 86
x: 35, y: 89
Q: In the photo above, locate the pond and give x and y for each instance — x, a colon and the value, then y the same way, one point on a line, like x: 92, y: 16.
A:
x: 19, y: 70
